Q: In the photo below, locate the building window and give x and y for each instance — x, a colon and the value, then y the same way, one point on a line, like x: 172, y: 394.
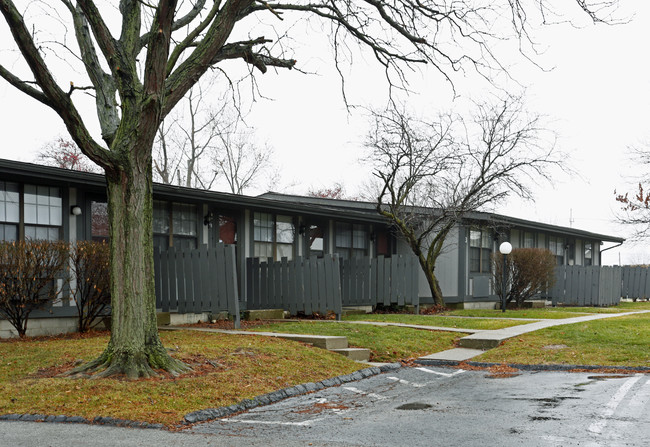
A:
x: 99, y: 221
x: 184, y: 222
x: 263, y: 235
x: 588, y: 254
x: 9, y: 211
x: 273, y: 236
x: 556, y: 246
x: 160, y: 224
x: 529, y: 240
x: 351, y: 240
x: 43, y: 212
x: 174, y: 225
x: 480, y: 251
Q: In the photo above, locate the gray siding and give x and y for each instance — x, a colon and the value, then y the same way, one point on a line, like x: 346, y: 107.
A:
x: 446, y: 267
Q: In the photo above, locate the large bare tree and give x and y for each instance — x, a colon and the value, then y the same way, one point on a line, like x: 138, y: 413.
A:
x: 140, y: 59
x: 239, y: 160
x: 433, y: 173
x: 183, y: 142
x: 210, y: 147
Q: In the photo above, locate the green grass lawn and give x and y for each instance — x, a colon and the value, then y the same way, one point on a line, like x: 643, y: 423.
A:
x: 639, y: 305
x: 387, y: 344
x: 548, y: 312
x: 623, y: 341
x: 227, y: 369
x: 439, y: 321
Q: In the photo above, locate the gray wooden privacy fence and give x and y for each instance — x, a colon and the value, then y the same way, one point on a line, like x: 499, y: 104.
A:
x: 636, y: 282
x: 301, y: 285
x: 586, y: 286
x: 200, y: 280
x: 329, y: 283
x: 386, y: 281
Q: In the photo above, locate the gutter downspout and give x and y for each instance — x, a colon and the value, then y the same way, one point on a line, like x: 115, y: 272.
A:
x: 600, y: 252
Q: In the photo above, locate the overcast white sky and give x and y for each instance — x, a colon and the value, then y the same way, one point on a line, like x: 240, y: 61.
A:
x: 597, y: 96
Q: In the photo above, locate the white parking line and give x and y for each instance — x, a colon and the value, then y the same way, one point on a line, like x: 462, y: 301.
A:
x: 598, y: 426
x: 641, y: 398
x: 249, y: 421
x: 406, y: 382
x: 358, y: 391
x: 430, y: 371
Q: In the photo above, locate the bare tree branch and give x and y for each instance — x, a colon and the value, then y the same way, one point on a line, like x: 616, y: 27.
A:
x: 434, y: 173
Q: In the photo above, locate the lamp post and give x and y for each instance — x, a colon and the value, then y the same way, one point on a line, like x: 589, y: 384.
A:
x: 505, y: 248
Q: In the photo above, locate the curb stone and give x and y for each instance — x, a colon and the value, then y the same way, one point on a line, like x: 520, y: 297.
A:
x: 62, y: 419
x: 210, y: 413
x: 275, y: 396
x: 526, y: 367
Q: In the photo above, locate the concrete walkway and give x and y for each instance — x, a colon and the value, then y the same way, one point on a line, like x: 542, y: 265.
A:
x: 477, y: 343
x: 471, y: 346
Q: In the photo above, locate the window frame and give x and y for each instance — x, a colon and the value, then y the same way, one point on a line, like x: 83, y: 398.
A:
x: 481, y: 254
x: 164, y: 231
x: 47, y: 202
x: 269, y: 240
x: 351, y: 240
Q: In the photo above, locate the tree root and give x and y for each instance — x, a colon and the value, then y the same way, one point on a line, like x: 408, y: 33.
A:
x: 132, y: 365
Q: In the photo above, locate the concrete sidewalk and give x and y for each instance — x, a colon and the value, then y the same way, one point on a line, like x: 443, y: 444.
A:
x: 471, y: 346
x: 477, y: 343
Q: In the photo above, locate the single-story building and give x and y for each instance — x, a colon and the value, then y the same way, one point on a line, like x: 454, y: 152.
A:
x: 51, y: 203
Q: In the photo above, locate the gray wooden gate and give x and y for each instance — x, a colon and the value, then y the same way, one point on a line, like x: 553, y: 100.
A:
x: 380, y: 280
x: 194, y: 281
x: 586, y: 286
x: 301, y: 285
x: 636, y: 282
x: 328, y: 283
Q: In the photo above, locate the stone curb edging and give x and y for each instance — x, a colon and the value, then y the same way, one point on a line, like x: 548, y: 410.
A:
x: 62, y: 419
x: 275, y: 396
x: 525, y: 367
x: 210, y: 413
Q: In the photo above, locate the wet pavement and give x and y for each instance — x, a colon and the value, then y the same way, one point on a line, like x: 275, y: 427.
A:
x: 428, y: 406
x: 414, y: 406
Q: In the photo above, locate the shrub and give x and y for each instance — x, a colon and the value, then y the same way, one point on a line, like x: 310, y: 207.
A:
x: 529, y: 271
x: 29, y: 271
x: 89, y: 263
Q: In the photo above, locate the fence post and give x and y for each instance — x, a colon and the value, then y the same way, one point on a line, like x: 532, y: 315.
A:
x: 337, y: 301
x: 232, y: 285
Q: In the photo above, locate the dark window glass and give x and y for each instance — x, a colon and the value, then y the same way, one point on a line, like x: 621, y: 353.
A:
x: 480, y: 251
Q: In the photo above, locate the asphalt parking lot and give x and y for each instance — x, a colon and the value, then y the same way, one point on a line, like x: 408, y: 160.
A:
x: 415, y: 406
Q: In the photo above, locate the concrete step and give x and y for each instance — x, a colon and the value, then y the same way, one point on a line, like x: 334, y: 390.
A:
x: 483, y: 340
x: 356, y: 354
x: 456, y: 354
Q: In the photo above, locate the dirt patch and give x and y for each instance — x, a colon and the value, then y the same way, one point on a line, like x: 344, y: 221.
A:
x: 227, y: 324
x: 554, y: 347
x: 501, y: 371
x: 322, y: 406
x: 67, y: 336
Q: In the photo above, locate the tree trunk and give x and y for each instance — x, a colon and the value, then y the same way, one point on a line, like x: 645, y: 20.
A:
x: 135, y: 348
x: 434, y: 285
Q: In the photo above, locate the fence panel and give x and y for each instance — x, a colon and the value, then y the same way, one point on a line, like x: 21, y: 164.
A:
x: 200, y: 280
x: 382, y: 280
x: 301, y: 285
x: 326, y: 284
x: 587, y: 286
x: 635, y: 282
